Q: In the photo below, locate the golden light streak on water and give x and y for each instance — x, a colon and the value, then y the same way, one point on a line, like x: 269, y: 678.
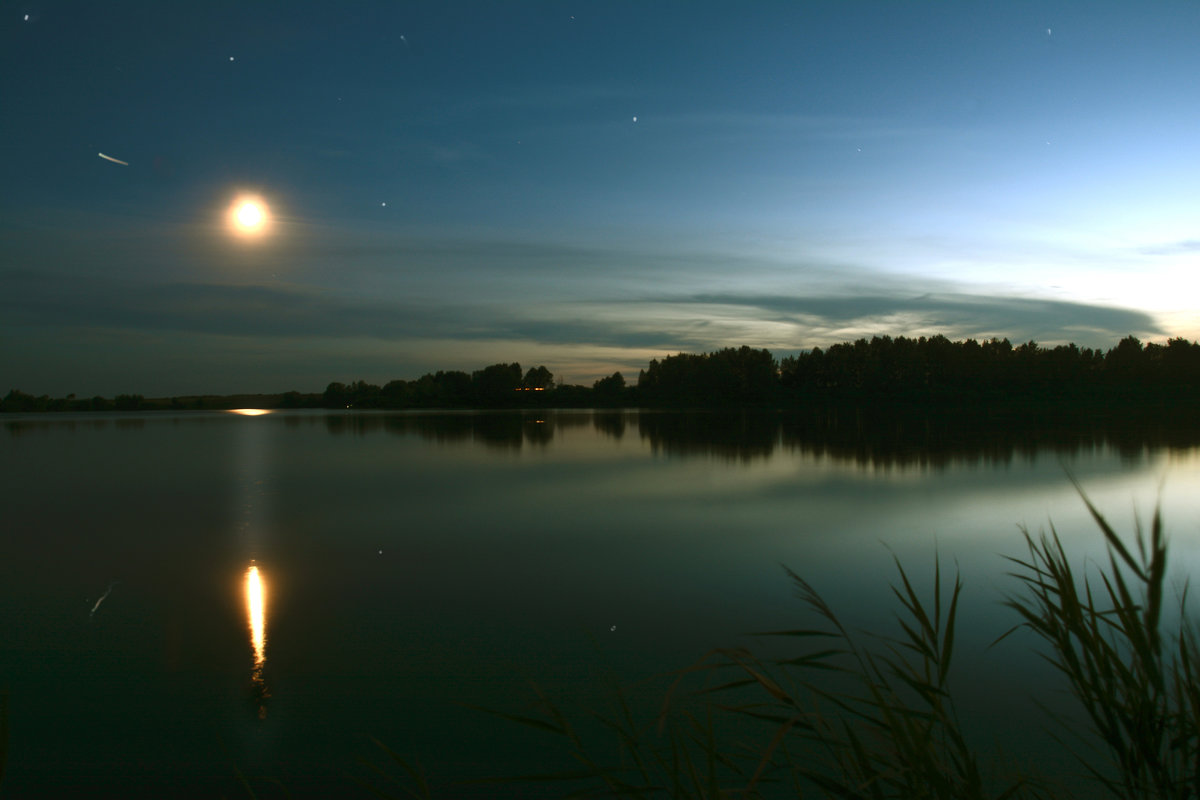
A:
x: 250, y: 412
x: 255, y: 607
x: 256, y: 611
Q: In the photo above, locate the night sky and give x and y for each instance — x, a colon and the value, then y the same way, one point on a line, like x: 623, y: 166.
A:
x: 584, y: 185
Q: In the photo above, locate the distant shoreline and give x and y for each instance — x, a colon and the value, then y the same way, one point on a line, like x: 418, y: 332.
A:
x: 879, y: 375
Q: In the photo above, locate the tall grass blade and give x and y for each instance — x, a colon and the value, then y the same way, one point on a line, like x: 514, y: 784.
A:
x: 3, y: 733
x: 414, y: 772
x: 890, y: 729
x: 1137, y: 694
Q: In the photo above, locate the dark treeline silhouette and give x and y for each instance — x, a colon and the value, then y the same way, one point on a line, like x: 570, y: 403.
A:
x: 882, y: 372
x: 885, y: 371
x: 18, y: 401
x: 497, y: 386
x: 726, y: 377
x: 937, y: 369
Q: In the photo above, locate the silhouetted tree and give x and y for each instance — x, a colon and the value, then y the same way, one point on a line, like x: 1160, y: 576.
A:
x: 335, y: 396
x: 724, y: 377
x: 396, y: 394
x: 1126, y: 362
x: 538, y: 378
x: 497, y: 384
x: 609, y: 391
x: 744, y: 376
x: 613, y: 384
x: 882, y: 371
x: 129, y: 402
x: 18, y: 401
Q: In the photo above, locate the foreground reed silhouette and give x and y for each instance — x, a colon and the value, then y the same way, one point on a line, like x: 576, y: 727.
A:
x: 871, y: 716
x: 1138, y: 688
x: 868, y: 716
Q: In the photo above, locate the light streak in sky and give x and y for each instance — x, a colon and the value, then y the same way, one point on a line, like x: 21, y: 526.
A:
x: 114, y: 160
x: 103, y: 597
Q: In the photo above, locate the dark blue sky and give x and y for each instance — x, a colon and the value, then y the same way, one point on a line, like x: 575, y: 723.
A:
x: 584, y: 185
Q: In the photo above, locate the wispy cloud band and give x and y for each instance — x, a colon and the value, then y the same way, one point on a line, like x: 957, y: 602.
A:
x: 697, y: 321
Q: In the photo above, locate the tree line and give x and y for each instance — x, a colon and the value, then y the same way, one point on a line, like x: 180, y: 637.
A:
x: 935, y: 368
x: 883, y: 370
x: 880, y: 371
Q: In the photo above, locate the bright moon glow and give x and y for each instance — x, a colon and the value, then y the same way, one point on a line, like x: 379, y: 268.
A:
x: 249, y: 216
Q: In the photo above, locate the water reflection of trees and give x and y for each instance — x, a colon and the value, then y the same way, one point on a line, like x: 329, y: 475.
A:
x: 870, y: 437
x: 905, y: 440
x: 862, y: 436
x: 25, y: 426
x: 610, y: 423
x: 733, y: 436
x: 500, y: 431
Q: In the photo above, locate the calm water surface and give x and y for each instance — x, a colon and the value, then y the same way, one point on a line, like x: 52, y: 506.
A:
x: 211, y: 603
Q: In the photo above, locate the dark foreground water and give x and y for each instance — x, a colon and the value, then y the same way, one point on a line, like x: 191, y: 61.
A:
x: 214, y: 604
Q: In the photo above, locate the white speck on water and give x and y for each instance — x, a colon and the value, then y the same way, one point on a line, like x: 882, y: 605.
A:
x: 613, y: 628
x: 635, y: 119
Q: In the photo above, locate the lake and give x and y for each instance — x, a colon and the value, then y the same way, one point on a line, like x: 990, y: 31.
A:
x: 223, y: 604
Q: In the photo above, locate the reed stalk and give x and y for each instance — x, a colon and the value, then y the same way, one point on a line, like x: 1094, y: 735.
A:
x: 1137, y: 687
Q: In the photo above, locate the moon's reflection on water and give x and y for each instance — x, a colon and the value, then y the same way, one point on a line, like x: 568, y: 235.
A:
x: 256, y: 612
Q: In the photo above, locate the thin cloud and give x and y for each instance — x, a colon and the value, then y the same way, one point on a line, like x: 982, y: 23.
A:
x: 963, y: 315
x: 1172, y: 248
x: 689, y: 322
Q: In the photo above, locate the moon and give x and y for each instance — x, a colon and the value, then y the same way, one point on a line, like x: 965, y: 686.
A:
x: 249, y: 216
